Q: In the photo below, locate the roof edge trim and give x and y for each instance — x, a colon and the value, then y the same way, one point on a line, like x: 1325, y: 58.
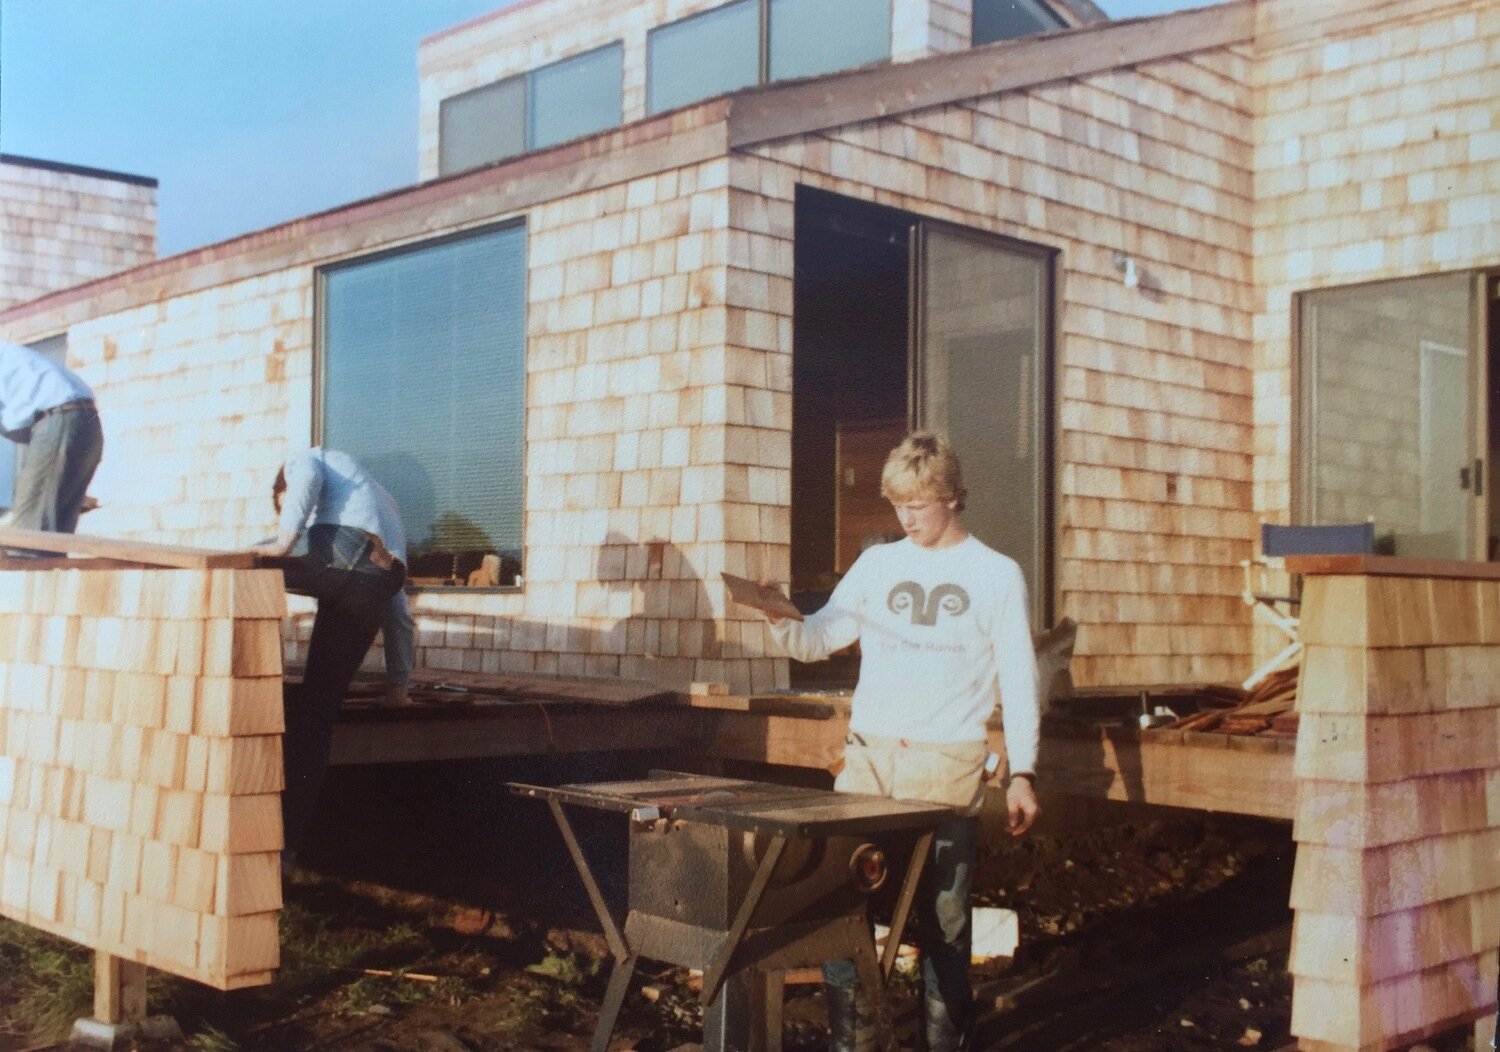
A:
x: 435, y: 208
x: 77, y: 169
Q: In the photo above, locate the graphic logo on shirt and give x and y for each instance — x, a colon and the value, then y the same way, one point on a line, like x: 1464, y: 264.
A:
x: 949, y: 599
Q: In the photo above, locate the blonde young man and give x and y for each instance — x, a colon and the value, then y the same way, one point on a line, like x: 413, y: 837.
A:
x: 944, y: 636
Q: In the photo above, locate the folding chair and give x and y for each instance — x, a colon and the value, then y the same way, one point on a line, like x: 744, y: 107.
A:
x: 1279, y: 611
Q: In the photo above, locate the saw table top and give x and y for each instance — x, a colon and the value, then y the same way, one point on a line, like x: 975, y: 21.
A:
x: 756, y: 807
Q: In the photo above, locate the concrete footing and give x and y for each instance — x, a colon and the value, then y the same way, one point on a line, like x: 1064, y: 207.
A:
x: 94, y: 1034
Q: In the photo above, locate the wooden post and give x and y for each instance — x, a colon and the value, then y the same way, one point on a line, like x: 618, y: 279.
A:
x: 119, y: 990
x: 1396, y: 893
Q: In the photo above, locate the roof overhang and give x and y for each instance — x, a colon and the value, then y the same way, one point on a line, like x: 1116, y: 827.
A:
x: 692, y: 135
x: 778, y: 111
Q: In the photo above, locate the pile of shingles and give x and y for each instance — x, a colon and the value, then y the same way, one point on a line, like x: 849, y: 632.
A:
x: 1269, y: 710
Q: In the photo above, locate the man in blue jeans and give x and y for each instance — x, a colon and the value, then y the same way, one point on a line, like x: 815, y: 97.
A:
x: 944, y: 637
x: 354, y: 566
x: 50, y: 411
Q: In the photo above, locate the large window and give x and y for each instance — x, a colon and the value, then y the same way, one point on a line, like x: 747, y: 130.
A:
x: 745, y: 42
x: 1392, y: 379
x: 1008, y: 19
x: 565, y: 100
x: 423, y: 380
x: 54, y: 348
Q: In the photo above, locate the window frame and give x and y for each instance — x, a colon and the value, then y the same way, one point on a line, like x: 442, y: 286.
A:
x: 528, y: 104
x: 319, y: 372
x: 764, y: 45
x: 531, y: 74
x: 760, y: 47
x: 1061, y: 23
x: 525, y: 121
x: 1303, y: 397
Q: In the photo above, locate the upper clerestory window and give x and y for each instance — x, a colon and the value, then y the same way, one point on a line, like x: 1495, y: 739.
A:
x: 1007, y: 19
x: 577, y: 96
x: 754, y: 41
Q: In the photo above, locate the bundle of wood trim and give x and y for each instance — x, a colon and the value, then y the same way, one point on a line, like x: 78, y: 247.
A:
x: 1269, y: 709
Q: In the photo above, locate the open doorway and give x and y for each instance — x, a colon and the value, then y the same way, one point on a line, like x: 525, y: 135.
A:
x: 849, y: 380
x: 900, y: 322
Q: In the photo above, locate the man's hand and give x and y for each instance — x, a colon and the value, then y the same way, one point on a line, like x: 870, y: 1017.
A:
x: 1021, y: 805
x: 775, y: 619
x: 279, y: 546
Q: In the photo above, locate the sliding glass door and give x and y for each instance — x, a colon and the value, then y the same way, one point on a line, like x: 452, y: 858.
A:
x: 1392, y: 407
x: 982, y: 330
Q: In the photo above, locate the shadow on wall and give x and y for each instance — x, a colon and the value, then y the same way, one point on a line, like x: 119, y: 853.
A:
x: 644, y: 614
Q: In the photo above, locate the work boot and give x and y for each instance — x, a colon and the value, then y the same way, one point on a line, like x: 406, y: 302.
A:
x: 944, y: 1033
x: 851, y: 1026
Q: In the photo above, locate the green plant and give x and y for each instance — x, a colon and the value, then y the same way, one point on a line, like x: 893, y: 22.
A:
x: 212, y: 1039
x: 569, y: 969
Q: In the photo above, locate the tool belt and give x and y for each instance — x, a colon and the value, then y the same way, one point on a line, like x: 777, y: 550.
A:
x: 949, y: 773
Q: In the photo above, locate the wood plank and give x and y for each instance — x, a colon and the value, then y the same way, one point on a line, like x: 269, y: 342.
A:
x: 16, y: 562
x: 780, y: 111
x: 539, y: 688
x: 1392, y: 566
x: 144, y: 552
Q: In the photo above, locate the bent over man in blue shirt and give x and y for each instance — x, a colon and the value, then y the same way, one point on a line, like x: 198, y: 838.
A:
x: 354, y: 566
x: 48, y: 409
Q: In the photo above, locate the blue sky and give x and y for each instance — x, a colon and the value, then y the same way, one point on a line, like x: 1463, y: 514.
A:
x: 249, y: 112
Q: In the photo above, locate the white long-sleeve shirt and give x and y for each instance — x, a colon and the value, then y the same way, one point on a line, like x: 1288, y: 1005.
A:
x: 944, y: 635
x: 325, y: 486
x: 30, y: 384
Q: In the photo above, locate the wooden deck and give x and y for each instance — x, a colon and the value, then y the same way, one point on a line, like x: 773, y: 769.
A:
x: 1215, y: 772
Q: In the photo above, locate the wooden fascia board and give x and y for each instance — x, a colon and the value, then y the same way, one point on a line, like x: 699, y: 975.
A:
x: 777, y: 112
x: 428, y: 210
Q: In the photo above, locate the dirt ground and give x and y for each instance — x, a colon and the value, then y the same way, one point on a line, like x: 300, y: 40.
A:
x: 438, y: 913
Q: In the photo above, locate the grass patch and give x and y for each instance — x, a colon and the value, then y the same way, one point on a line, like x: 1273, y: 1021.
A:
x: 313, y: 945
x: 47, y: 982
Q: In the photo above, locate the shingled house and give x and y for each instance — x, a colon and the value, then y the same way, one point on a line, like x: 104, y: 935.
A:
x: 62, y: 224
x: 1162, y: 280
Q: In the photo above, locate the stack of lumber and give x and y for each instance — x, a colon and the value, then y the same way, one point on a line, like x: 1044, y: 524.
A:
x: 1269, y: 709
x: 1396, y: 888
x: 140, y: 762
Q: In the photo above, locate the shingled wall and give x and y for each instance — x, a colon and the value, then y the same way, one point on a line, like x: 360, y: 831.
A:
x: 1377, y: 156
x: 1154, y: 421
x: 61, y: 225
x: 140, y: 764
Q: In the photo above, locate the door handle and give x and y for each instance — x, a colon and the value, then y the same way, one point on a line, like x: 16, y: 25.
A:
x: 1472, y: 477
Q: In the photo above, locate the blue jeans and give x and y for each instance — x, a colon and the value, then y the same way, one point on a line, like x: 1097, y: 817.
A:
x: 354, y: 596
x: 941, y: 927
x: 65, y: 449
